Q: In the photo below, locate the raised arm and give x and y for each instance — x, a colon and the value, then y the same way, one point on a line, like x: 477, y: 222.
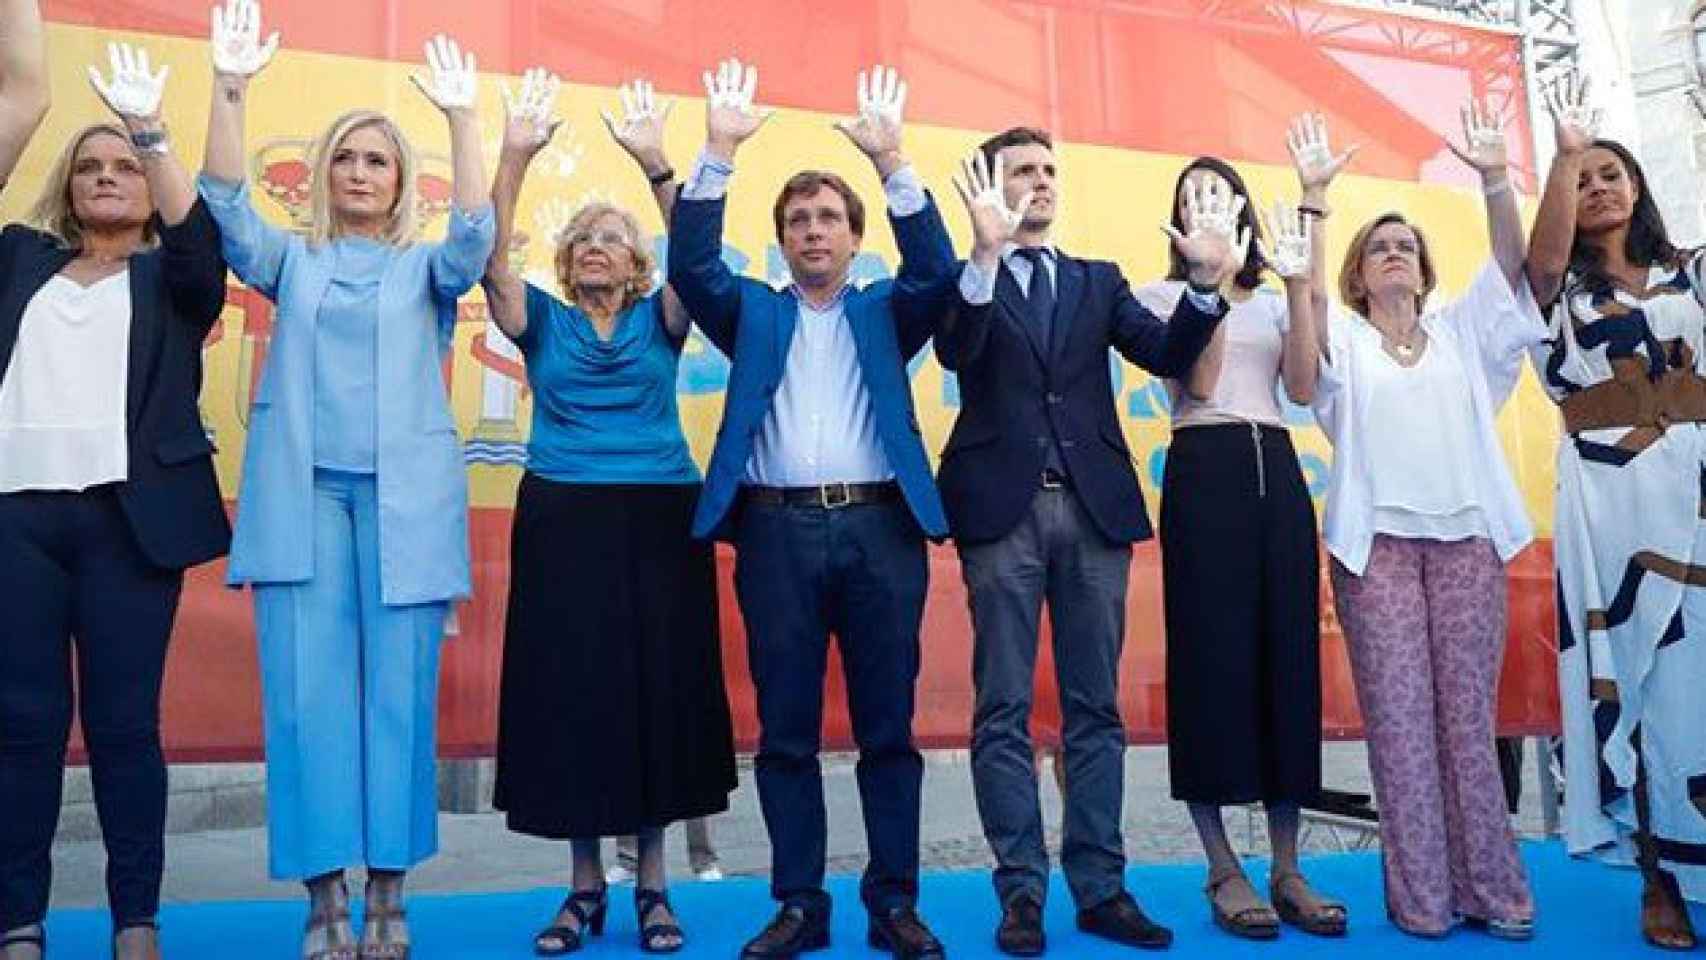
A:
x: 134, y: 92
x: 707, y: 287
x: 1300, y: 356
x: 1575, y: 125
x: 23, y: 80
x: 639, y: 132
x: 254, y: 248
x: 452, y: 85
x: 965, y: 330
x: 529, y: 123
x: 1485, y: 150
x: 1213, y: 248
x: 1316, y: 165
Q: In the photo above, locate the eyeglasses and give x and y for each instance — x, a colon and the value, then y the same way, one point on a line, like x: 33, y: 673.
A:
x: 602, y: 238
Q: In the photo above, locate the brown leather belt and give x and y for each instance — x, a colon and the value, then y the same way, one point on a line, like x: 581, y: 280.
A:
x: 1679, y: 396
x: 828, y: 496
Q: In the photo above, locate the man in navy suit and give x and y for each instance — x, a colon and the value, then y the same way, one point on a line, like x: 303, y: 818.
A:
x: 820, y: 479
x: 1042, y: 501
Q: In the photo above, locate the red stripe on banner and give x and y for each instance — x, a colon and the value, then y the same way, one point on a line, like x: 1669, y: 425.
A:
x: 1168, y: 76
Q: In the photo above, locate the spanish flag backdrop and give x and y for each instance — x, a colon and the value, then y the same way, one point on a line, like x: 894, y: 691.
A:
x: 1131, y: 89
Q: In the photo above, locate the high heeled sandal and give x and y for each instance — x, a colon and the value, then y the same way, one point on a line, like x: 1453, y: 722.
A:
x: 384, y: 935
x: 589, y: 908
x: 1256, y: 922
x: 654, y: 937
x: 148, y: 924
x: 1664, y: 920
x: 1329, y: 918
x: 34, y: 935
x: 317, y: 935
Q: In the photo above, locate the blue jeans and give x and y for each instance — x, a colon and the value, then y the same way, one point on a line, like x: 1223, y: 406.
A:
x: 859, y: 572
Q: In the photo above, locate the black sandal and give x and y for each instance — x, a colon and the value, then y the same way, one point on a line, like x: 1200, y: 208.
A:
x: 654, y: 936
x: 149, y: 923
x: 588, y: 908
x: 34, y: 935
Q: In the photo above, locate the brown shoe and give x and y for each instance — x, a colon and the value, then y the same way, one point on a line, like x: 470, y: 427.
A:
x: 1021, y: 930
x: 1121, y: 920
x: 1255, y: 921
x: 1302, y: 908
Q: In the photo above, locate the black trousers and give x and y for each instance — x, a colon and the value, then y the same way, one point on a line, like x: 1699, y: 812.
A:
x: 71, y: 569
x: 860, y: 572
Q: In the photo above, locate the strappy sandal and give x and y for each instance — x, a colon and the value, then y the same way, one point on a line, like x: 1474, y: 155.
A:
x: 34, y: 935
x: 1329, y: 918
x: 317, y: 936
x: 1251, y: 923
x: 384, y: 935
x: 1664, y: 921
x: 588, y: 907
x: 655, y: 937
x: 149, y: 924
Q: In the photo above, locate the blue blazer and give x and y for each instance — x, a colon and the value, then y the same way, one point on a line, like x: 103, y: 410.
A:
x: 422, y: 483
x: 753, y: 325
x: 170, y: 496
x: 1015, y: 390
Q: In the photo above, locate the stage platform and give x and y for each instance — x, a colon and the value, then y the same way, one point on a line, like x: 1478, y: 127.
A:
x: 1586, y: 910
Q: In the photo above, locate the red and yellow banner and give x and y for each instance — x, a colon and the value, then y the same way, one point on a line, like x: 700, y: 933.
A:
x: 1132, y: 89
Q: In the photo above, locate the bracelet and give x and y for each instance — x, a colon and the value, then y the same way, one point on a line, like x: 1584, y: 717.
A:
x: 1202, y: 290
x: 155, y: 143
x: 662, y: 176
x: 1310, y: 211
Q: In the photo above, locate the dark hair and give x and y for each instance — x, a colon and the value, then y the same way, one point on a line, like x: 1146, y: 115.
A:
x: 1250, y: 275
x: 807, y: 182
x: 1012, y: 137
x: 1647, y: 243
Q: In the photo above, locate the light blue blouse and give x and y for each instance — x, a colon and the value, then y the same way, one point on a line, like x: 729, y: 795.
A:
x: 345, y: 334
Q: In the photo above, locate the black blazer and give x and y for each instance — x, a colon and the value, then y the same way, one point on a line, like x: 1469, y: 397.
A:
x: 177, y: 290
x: 1014, y: 388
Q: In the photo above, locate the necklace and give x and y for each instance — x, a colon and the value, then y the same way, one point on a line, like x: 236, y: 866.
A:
x: 1405, y: 346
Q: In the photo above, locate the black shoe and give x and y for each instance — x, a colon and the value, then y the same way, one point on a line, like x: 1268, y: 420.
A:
x: 1121, y: 920
x: 1021, y: 930
x: 793, y: 931
x: 902, y: 932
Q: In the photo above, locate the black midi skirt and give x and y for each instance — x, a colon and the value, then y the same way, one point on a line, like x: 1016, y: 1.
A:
x: 1242, y: 592
x: 613, y: 714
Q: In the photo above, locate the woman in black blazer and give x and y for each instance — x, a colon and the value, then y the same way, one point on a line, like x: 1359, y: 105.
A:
x: 107, y: 492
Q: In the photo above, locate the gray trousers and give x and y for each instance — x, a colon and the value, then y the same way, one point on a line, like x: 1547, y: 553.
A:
x: 1055, y: 552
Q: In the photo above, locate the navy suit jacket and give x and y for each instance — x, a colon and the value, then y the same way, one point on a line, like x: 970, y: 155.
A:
x: 1015, y: 390
x: 753, y: 324
x: 171, y: 497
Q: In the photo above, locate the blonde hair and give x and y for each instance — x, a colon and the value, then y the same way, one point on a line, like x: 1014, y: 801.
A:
x: 404, y: 223
x: 53, y: 213
x: 639, y: 285
x: 1354, y: 292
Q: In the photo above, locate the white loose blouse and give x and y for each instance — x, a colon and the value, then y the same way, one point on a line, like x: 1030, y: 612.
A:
x: 1415, y: 451
x: 62, y: 399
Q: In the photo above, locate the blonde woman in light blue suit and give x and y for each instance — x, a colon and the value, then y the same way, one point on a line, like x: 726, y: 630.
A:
x: 352, y: 511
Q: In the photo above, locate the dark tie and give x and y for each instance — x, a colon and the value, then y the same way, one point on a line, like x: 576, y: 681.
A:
x: 1040, y: 299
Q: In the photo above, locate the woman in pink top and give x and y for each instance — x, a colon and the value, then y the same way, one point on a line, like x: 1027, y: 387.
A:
x: 1241, y: 578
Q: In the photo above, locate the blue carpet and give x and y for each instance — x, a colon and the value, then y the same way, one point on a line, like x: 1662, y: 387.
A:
x: 1585, y: 910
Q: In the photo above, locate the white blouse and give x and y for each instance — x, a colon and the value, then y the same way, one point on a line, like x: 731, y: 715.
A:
x: 1415, y: 451
x: 62, y: 398
x: 1246, y: 391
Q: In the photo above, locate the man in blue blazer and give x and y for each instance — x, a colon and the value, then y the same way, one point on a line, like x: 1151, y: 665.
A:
x: 1043, y: 501
x: 820, y: 480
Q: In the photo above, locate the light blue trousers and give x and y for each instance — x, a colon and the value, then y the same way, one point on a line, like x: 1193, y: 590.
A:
x: 350, y: 688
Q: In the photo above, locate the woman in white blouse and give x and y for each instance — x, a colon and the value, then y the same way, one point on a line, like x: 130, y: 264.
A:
x: 1422, y: 515
x: 107, y: 488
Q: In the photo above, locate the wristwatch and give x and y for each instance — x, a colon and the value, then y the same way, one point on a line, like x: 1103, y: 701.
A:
x: 1202, y: 289
x: 662, y: 176
x: 156, y: 142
